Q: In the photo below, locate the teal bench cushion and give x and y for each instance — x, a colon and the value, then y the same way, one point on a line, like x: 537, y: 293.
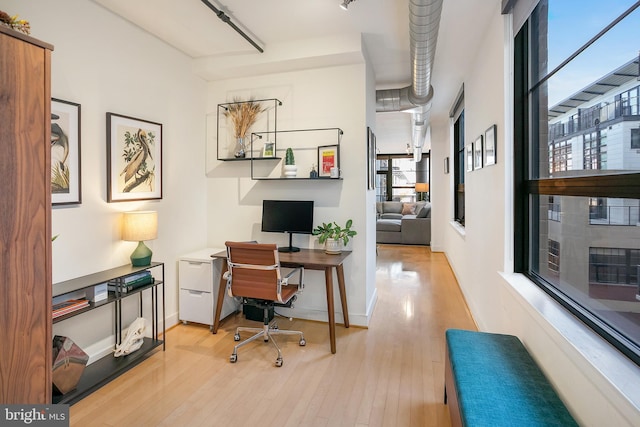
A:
x: 499, y: 384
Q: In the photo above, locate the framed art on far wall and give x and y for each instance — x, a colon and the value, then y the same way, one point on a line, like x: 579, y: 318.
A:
x: 134, y: 159
x: 477, y: 153
x: 371, y: 159
x: 469, y: 149
x: 490, y: 146
x: 65, y: 153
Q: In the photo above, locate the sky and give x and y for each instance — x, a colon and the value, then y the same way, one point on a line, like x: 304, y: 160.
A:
x: 571, y: 25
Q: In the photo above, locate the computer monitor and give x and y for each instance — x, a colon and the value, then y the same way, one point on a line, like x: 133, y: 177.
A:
x: 287, y: 216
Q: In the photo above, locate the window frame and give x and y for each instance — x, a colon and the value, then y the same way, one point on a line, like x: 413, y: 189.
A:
x: 635, y: 134
x: 423, y: 173
x: 615, y: 184
x: 457, y: 116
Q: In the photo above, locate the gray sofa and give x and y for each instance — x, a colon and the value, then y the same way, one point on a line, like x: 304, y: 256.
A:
x: 403, y: 223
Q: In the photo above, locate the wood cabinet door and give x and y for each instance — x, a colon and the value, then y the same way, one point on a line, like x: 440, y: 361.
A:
x: 25, y: 221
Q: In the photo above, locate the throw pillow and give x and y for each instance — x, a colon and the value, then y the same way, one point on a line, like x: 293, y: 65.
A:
x: 425, y: 211
x: 391, y: 207
x: 408, y: 209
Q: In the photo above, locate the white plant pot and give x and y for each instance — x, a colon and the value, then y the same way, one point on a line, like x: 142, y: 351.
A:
x: 333, y: 246
x: 290, y: 171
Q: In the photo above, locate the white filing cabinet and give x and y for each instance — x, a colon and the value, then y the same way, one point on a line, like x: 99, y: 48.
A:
x: 199, y: 280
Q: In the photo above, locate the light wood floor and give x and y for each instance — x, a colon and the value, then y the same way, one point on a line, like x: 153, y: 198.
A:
x: 390, y: 374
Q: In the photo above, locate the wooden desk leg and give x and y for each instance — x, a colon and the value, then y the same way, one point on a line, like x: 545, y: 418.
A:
x: 328, y: 278
x: 221, y: 289
x: 343, y: 295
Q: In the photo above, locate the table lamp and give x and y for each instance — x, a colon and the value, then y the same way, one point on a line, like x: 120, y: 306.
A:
x: 421, y: 188
x: 138, y: 226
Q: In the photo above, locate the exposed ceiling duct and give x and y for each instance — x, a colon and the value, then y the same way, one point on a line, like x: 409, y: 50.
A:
x: 424, y: 22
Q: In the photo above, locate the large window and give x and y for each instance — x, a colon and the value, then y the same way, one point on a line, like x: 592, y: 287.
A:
x: 635, y: 139
x: 577, y: 162
x: 560, y: 158
x: 397, y: 175
x: 459, y: 168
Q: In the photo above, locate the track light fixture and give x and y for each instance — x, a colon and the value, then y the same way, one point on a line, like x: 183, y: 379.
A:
x: 227, y: 19
x: 345, y: 4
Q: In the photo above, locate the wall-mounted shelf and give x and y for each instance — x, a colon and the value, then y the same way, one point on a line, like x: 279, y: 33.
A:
x: 308, y: 145
x: 248, y: 159
x: 297, y: 179
x: 225, y: 140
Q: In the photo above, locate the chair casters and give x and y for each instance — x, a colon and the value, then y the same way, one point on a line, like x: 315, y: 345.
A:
x: 303, y: 342
x: 279, y: 362
x: 236, y: 337
x: 233, y: 358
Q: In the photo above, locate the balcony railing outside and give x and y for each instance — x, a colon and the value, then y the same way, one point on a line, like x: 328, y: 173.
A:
x: 586, y: 119
x: 614, y: 215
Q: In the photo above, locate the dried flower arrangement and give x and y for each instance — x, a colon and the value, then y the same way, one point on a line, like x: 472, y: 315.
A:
x: 243, y: 115
x: 21, y: 25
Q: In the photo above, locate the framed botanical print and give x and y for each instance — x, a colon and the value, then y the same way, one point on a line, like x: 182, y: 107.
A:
x: 134, y: 159
x: 65, y: 153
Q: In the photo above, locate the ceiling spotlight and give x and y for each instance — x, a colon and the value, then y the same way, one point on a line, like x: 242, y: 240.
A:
x: 345, y: 4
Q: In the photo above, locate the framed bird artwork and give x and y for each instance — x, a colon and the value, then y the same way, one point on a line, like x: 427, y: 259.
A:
x: 65, y: 153
x: 134, y: 159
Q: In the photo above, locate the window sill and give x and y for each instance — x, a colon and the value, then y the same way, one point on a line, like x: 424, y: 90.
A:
x: 458, y: 228
x: 619, y: 375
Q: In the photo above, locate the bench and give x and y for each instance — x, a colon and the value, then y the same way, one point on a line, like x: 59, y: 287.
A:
x: 491, y: 380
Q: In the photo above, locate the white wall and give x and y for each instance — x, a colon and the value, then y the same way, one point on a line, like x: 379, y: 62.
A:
x: 598, y: 384
x: 108, y: 65
x: 318, y: 98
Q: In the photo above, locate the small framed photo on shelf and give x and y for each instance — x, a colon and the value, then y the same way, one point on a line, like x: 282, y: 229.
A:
x: 477, y: 153
x: 327, y: 158
x: 469, y: 151
x: 134, y: 159
x: 65, y: 153
x: 268, y: 149
x: 490, y: 146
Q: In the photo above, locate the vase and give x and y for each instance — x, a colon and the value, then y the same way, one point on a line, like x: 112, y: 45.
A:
x: 290, y: 171
x: 240, y: 149
x: 333, y: 246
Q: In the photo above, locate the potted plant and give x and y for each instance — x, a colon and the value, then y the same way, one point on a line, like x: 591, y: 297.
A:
x: 333, y: 236
x: 243, y: 115
x: 290, y: 168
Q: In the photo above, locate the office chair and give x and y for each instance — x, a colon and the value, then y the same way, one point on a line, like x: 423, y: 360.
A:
x: 254, y: 275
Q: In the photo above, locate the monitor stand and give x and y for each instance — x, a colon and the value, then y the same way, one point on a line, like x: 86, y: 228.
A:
x: 289, y: 248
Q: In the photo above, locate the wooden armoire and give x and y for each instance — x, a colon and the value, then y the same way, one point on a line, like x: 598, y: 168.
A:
x: 25, y: 219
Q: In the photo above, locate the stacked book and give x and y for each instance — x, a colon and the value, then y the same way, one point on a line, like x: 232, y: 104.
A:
x: 66, y: 307
x: 131, y: 282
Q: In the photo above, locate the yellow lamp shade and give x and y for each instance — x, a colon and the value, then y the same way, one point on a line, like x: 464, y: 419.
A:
x: 422, y: 187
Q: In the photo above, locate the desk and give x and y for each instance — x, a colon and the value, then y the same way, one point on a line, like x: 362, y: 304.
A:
x: 310, y: 259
